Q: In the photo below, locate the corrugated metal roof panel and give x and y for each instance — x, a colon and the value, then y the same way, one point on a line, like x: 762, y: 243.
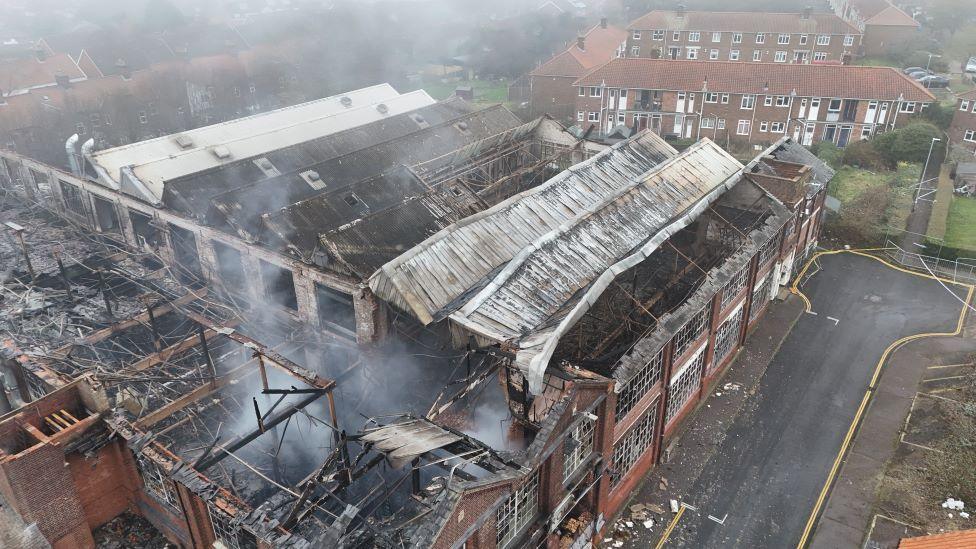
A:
x: 426, y: 279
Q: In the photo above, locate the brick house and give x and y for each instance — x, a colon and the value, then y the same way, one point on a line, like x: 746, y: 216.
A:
x: 962, y: 131
x: 753, y: 103
x: 550, y: 84
x: 743, y: 36
x: 882, y: 23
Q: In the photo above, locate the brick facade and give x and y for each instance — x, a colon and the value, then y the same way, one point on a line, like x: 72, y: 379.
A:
x: 759, y: 47
x: 962, y: 131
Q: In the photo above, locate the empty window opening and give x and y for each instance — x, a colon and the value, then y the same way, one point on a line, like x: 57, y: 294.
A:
x: 146, y: 235
x: 335, y: 308
x: 230, y: 267
x: 279, y: 285
x: 108, y: 218
x: 73, y: 199
x: 185, y: 253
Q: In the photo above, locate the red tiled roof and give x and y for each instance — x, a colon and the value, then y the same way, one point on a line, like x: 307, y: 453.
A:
x: 26, y: 73
x: 708, y: 21
x: 601, y: 44
x: 951, y: 540
x: 970, y: 95
x: 891, y: 16
x: 839, y: 81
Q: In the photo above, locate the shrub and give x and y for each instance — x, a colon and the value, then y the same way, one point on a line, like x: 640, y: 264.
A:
x: 908, y: 144
x: 940, y: 115
x: 829, y: 153
x: 862, y: 154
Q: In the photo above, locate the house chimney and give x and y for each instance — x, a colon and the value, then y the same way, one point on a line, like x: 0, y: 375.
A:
x: 62, y: 79
x: 40, y: 54
x: 681, y: 10
x: 581, y: 42
x: 807, y: 11
x: 603, y: 22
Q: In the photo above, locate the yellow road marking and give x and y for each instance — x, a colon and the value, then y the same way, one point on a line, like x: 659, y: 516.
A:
x: 852, y: 430
x: 671, y: 525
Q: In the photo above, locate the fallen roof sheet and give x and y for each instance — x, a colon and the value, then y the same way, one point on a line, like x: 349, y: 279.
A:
x: 566, y: 270
x: 404, y: 441
x: 158, y: 160
x: 435, y: 273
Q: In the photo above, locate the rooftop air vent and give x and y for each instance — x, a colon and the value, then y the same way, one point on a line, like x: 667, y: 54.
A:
x: 266, y: 167
x: 312, y: 178
x: 346, y: 101
x: 221, y: 152
x: 420, y: 120
x: 184, y: 141
x: 382, y: 108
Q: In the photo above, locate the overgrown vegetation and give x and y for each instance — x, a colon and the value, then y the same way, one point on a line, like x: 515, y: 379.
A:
x: 871, y: 202
x: 915, y: 486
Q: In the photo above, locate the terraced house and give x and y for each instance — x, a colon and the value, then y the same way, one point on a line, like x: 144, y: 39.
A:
x: 750, y: 103
x: 804, y: 37
x: 962, y: 131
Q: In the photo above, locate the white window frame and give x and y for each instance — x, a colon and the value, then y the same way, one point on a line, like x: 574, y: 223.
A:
x: 764, y: 126
x: 823, y: 39
x: 593, y: 116
x: 969, y: 136
x: 783, y: 39
x: 580, y: 116
x: 692, y: 52
x: 636, y: 35
x: 768, y: 101
x: 964, y: 105
x: 832, y: 102
x: 720, y: 124
x: 748, y: 102
x: 711, y: 97
x: 582, y: 437
x: 596, y: 91
x: 713, y: 54
x: 760, y: 38
x: 782, y: 101
x: 848, y: 40
x: 733, y: 55
x: 744, y: 127
x: 780, y: 57
x: 657, y: 35
x: 676, y: 36
x: 819, y: 56
x: 694, y: 36
x: 725, y: 99
x: 716, y: 37
x: 757, y: 55
x: 777, y: 127
x: 582, y: 91
x: 708, y: 123
x: 635, y: 51
x: 804, y: 38
x: 736, y: 37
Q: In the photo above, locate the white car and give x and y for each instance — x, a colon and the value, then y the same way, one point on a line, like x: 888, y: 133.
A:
x: 971, y: 65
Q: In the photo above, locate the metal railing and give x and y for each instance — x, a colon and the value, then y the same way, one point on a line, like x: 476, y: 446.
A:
x: 962, y: 269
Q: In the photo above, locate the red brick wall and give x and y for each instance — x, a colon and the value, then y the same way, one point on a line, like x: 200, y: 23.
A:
x: 106, y: 483
x: 38, y: 485
x: 553, y: 95
x: 473, y: 504
x: 962, y: 121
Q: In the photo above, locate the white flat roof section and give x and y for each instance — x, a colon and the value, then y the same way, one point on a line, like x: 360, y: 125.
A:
x: 158, y: 160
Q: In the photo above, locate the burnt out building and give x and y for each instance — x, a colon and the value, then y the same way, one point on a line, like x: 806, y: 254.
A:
x: 407, y: 323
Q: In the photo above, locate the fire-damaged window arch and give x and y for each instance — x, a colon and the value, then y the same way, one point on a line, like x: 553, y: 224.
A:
x: 634, y: 444
x: 157, y: 484
x: 517, y: 512
x: 228, y: 533
x: 643, y: 380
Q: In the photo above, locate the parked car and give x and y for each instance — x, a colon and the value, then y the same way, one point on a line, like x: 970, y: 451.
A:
x: 910, y: 70
x: 918, y: 75
x: 934, y: 81
x: 971, y: 65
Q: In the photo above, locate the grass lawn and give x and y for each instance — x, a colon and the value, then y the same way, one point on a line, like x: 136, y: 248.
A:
x: 961, y: 227
x: 485, y: 91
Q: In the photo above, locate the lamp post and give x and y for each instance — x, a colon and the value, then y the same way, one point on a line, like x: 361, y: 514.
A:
x: 921, y: 179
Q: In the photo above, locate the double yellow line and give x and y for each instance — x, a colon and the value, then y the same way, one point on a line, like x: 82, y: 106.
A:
x: 852, y: 430
x: 671, y: 525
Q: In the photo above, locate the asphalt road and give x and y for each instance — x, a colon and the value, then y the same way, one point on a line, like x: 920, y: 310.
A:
x: 768, y: 471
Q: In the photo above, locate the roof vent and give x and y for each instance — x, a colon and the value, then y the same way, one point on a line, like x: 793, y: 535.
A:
x: 312, y: 178
x: 382, y: 108
x: 351, y: 199
x: 184, y: 141
x: 346, y: 101
x: 266, y: 167
x: 221, y: 152
x: 420, y: 120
